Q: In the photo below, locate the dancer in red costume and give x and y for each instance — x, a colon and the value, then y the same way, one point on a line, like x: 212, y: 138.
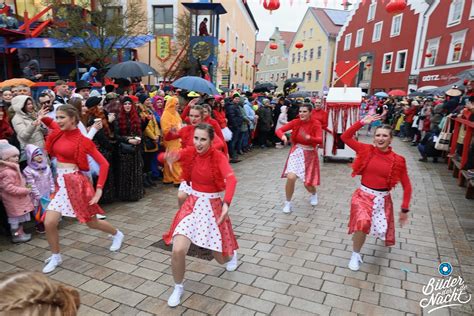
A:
x: 203, y: 219
x: 74, y: 196
x: 380, y: 170
x: 196, y: 116
x: 318, y: 113
x: 303, y: 162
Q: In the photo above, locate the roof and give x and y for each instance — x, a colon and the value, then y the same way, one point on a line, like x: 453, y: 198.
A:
x: 205, y: 8
x: 331, y: 20
x: 287, y: 37
x: 44, y: 42
x: 251, y: 15
x: 259, y: 49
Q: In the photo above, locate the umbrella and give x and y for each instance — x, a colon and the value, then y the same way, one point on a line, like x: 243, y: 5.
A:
x: 129, y: 69
x: 299, y: 94
x: 265, y: 87
x: 294, y: 79
x: 381, y: 94
x: 397, y: 93
x: 197, y: 84
x: 16, y: 82
x: 453, y: 92
x: 466, y: 75
x: 418, y: 94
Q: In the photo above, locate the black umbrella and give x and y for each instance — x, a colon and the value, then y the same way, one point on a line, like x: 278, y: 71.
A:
x: 265, y: 87
x: 293, y: 80
x: 129, y: 69
x: 299, y: 94
x: 417, y: 94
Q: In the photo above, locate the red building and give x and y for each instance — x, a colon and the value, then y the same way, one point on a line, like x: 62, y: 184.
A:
x: 391, y: 42
x: 448, y: 45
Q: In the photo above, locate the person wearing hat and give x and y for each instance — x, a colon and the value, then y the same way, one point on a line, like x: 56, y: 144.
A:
x: 83, y: 88
x: 13, y: 192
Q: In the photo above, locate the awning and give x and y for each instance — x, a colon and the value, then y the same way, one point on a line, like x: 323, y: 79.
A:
x: 197, y: 8
x: 44, y: 42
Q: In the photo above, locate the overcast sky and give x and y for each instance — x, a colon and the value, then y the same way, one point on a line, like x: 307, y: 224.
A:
x: 287, y: 17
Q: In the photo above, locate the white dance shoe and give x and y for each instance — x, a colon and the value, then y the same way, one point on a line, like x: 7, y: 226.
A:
x: 175, y: 298
x: 232, y: 264
x: 314, y: 199
x: 287, y: 207
x: 52, y: 263
x: 116, y: 241
x: 354, y: 263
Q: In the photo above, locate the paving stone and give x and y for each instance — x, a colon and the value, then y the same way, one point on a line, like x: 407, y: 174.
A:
x: 235, y: 310
x: 310, y: 306
x: 223, y: 294
x: 70, y: 277
x: 95, y: 286
x: 281, y: 310
x: 302, y: 292
x: 120, y: 266
x: 272, y: 285
x: 276, y: 297
x: 150, y: 288
x: 148, y: 274
x: 124, y: 280
x: 122, y: 295
x: 256, y: 304
x: 340, y: 289
x: 106, y: 305
x: 370, y: 309
x: 338, y: 301
x: 159, y: 307
x: 204, y: 304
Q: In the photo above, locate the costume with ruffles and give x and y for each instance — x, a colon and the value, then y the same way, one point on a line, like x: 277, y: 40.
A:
x: 303, y: 157
x: 209, y: 174
x: 371, y: 204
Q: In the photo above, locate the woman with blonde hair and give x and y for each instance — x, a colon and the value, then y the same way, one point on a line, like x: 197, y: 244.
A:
x: 34, y: 294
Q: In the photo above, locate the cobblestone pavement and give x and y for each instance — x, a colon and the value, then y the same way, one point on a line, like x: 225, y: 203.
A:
x: 289, y: 264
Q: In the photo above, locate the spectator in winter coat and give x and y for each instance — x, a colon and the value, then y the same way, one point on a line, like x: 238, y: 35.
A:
x: 234, y: 123
x: 294, y: 109
x: 90, y: 76
x: 265, y: 123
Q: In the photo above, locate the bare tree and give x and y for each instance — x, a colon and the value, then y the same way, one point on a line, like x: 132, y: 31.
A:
x: 97, y: 34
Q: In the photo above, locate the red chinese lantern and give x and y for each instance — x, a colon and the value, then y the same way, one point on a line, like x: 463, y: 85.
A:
x: 233, y: 50
x: 258, y: 69
x: 428, y: 55
x: 388, y: 62
x: 247, y: 62
x: 299, y: 45
x: 396, y: 6
x: 457, y: 47
x: 241, y: 56
x: 271, y: 5
x: 222, y: 41
x: 273, y: 46
x: 368, y: 65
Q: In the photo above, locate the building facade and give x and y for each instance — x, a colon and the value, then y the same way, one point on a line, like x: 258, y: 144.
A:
x: 273, y: 63
x: 237, y: 28
x: 313, y: 61
x: 390, y: 42
x: 448, y: 45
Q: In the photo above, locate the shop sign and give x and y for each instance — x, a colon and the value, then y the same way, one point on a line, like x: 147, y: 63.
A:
x: 448, y: 77
x: 163, y: 47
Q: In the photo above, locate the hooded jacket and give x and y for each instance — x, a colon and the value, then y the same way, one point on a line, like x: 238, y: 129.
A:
x: 13, y: 191
x: 22, y: 123
x: 38, y: 176
x: 87, y: 76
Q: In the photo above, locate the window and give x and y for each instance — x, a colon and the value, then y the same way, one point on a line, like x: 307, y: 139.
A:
x: 303, y: 76
x: 304, y: 35
x: 278, y: 76
x: 299, y: 57
x: 377, y: 32
x: 305, y: 55
x: 347, y: 41
x: 163, y: 20
x: 471, y: 14
x: 401, y: 60
x: 456, y: 46
x: 431, y: 52
x: 455, y: 12
x: 396, y: 25
x: 311, y: 54
x: 387, y: 62
x: 113, y: 12
x: 372, y: 9
x: 359, y: 38
x: 293, y: 58
x: 316, y: 75
x: 311, y: 33
x: 320, y: 48
x: 309, y: 76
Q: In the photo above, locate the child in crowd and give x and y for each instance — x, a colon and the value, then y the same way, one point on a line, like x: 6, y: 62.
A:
x: 13, y: 192
x: 39, y: 177
x: 282, y: 120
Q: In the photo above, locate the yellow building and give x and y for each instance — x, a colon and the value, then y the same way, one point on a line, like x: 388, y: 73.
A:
x: 313, y: 61
x: 237, y: 27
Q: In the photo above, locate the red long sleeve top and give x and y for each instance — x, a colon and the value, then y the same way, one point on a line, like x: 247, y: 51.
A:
x: 65, y: 147
x: 307, y: 133
x: 187, y: 135
x: 321, y: 116
x: 202, y: 178
x: 220, y: 118
x: 379, y: 168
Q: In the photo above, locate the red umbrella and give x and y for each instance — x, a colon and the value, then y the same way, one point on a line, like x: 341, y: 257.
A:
x: 397, y: 93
